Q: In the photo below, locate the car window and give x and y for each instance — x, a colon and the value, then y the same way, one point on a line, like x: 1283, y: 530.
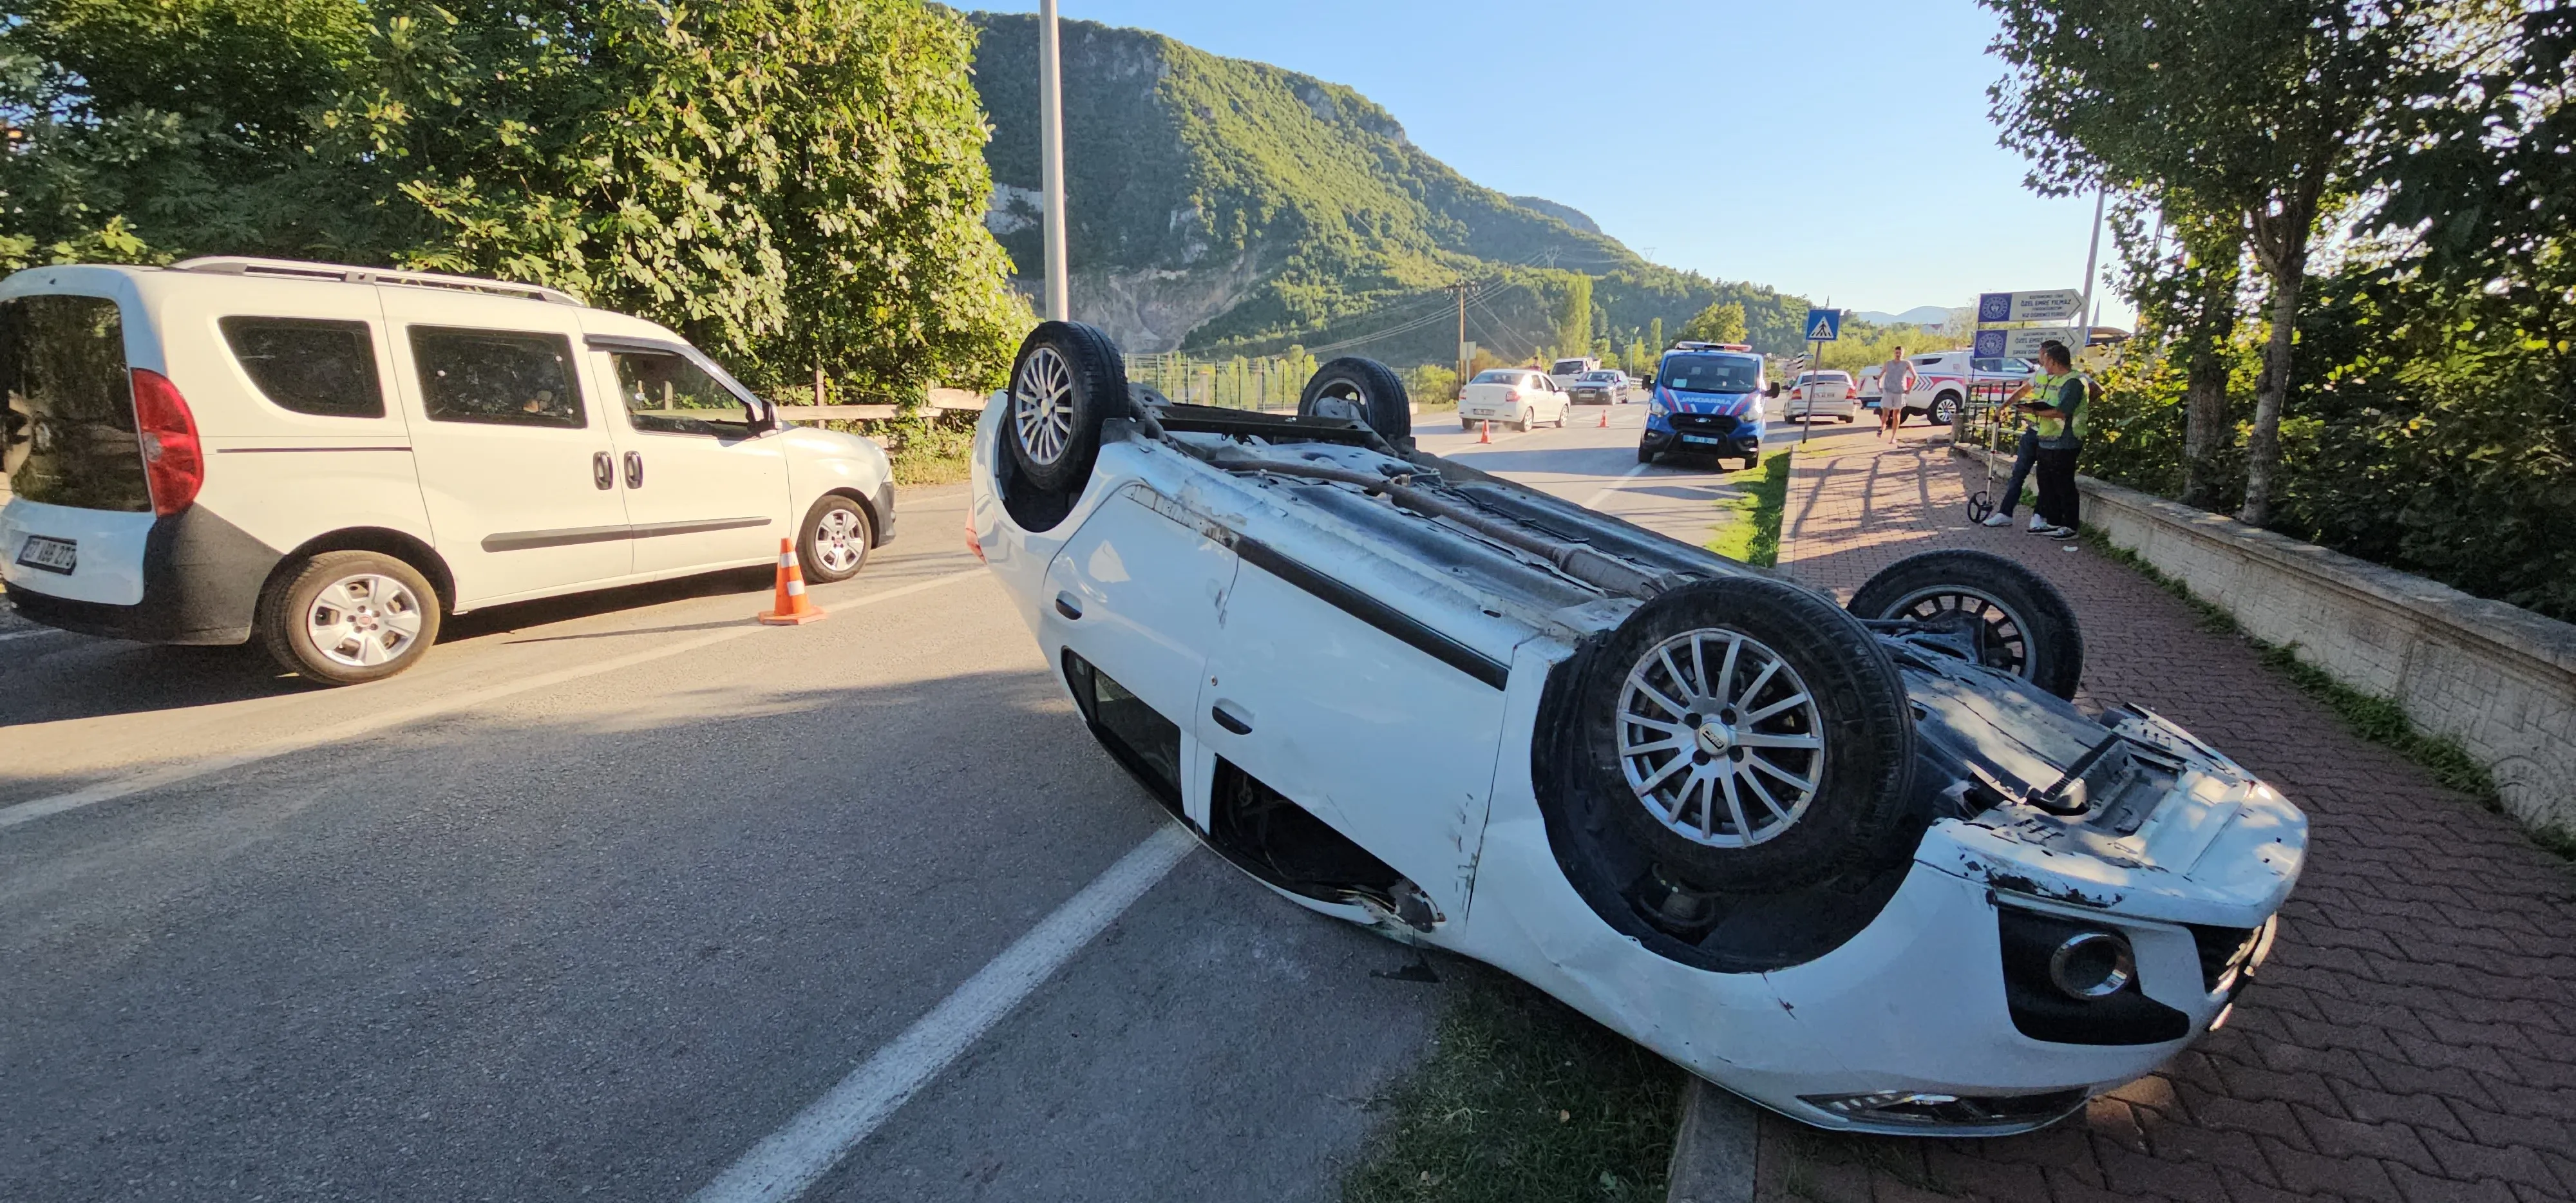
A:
x: 1496, y: 376
x: 1927, y: 361
x: 498, y: 377
x: 667, y: 394
x: 69, y: 427
x: 309, y: 366
x: 1152, y: 742
x: 1711, y: 373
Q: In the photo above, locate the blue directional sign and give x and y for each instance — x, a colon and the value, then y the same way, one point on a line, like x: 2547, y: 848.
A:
x: 1824, y: 325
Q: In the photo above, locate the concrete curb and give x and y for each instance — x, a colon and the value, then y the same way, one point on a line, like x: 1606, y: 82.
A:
x: 1713, y: 1154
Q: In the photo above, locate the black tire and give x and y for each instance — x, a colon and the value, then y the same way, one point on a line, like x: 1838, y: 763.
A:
x: 1644, y: 456
x: 1361, y: 390
x: 291, y: 608
x: 1945, y: 408
x: 1466, y: 426
x: 1859, y: 814
x: 1066, y: 381
x: 835, y: 529
x: 2024, y: 625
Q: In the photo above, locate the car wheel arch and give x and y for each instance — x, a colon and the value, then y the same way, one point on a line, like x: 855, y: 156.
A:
x: 410, y: 549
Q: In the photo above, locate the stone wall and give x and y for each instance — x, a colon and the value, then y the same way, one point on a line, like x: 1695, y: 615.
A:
x: 2498, y: 679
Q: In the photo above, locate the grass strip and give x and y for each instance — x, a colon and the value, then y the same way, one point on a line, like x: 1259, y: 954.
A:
x: 1750, y: 528
x: 1522, y: 1100
x: 2380, y: 720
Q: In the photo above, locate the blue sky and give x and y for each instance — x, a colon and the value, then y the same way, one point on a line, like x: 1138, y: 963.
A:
x: 1828, y: 147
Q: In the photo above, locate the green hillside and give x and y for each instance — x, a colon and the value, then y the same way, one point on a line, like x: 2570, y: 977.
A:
x: 1229, y: 207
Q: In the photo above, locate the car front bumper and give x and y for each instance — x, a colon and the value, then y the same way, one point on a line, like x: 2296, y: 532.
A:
x: 1706, y: 434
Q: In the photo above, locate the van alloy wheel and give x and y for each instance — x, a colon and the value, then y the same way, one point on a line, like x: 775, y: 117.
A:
x: 840, y: 542
x: 1042, y: 406
x: 1719, y: 739
x: 364, y: 621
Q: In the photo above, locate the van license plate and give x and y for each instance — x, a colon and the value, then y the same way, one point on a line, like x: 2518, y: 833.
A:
x: 1697, y: 438
x: 51, y: 555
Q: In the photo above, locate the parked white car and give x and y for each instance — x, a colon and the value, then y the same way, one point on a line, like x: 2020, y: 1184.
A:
x: 1605, y: 387
x: 1866, y: 866
x: 1516, y: 397
x: 331, y: 459
x: 1823, y: 394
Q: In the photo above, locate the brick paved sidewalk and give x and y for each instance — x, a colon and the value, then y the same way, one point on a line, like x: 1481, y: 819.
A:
x: 2414, y: 1036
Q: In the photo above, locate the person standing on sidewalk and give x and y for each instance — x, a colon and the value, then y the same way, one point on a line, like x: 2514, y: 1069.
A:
x: 1895, y: 380
x: 2057, y: 409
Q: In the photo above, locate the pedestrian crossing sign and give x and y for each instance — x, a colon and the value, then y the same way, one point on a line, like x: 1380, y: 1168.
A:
x: 1824, y: 325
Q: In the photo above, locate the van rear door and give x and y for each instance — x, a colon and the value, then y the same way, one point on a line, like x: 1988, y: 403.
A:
x: 81, y: 512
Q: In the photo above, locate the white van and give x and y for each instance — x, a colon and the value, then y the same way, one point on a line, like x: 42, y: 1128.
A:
x: 332, y: 458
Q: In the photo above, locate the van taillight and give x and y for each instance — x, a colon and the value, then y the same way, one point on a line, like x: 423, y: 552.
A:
x: 174, y: 464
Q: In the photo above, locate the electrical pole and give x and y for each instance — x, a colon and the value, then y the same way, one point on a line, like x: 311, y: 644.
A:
x: 1059, y: 303
x: 2092, y: 256
x: 1463, y: 357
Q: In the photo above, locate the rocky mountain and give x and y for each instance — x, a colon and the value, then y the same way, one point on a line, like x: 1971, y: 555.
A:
x: 1920, y: 315
x: 1231, y: 207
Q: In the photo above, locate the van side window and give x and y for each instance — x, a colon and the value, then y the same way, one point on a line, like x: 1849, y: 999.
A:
x: 498, y: 377
x: 309, y: 366
x: 667, y: 394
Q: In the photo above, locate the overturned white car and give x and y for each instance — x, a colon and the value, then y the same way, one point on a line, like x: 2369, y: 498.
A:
x: 1867, y: 867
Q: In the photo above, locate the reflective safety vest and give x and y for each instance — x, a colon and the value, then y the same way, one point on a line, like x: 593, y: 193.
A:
x: 2075, y: 418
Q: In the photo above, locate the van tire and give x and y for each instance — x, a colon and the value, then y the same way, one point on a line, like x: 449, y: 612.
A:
x: 288, y: 605
x: 1366, y: 386
x: 838, y: 526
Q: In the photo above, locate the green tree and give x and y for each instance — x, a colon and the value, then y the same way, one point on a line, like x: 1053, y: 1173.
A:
x: 1574, y: 314
x: 786, y: 181
x: 1719, y: 323
x: 2254, y: 110
x: 1655, y: 336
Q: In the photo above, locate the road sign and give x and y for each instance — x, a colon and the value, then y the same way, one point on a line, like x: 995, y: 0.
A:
x: 2045, y: 305
x: 1824, y: 325
x: 2024, y: 344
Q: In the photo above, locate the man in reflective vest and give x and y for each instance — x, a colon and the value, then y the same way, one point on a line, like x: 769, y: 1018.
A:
x: 2059, y: 403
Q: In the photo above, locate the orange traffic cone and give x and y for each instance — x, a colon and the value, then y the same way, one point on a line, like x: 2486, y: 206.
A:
x: 792, y: 608
x: 1605, y: 417
x: 1484, y: 432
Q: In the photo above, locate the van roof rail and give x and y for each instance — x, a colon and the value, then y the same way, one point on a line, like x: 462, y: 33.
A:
x: 296, y: 269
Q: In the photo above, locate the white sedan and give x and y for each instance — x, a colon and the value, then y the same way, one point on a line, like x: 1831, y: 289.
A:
x: 1516, y: 397
x: 1866, y: 866
x: 1825, y: 394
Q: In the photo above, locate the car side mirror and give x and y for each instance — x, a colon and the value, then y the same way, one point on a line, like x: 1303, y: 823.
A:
x: 1774, y: 390
x: 1648, y: 380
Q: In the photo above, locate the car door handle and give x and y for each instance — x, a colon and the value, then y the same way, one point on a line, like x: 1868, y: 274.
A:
x: 1226, y: 717
x: 634, y: 470
x: 601, y: 473
x: 1065, y: 605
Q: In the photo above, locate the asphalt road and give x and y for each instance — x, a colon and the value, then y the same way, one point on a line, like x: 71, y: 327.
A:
x: 611, y: 889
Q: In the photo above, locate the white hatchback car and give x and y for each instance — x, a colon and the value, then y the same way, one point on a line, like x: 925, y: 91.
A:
x: 1516, y: 397
x: 331, y: 458
x: 1865, y: 866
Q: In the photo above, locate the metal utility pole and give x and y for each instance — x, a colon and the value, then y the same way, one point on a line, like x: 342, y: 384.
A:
x: 1059, y: 302
x: 1464, y: 356
x: 2092, y: 256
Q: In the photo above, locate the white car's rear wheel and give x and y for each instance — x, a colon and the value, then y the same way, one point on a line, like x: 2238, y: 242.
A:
x: 1067, y: 380
x: 347, y: 617
x: 1720, y: 739
x: 2015, y: 620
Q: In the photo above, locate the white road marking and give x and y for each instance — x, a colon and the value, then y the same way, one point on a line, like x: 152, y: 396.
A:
x: 126, y: 787
x: 790, y: 1159
x: 1613, y: 486
x: 27, y: 634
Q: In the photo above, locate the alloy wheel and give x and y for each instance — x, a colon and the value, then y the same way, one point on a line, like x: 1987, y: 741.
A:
x: 1042, y: 406
x: 840, y: 540
x: 1719, y: 739
x: 2001, y: 636
x: 363, y: 621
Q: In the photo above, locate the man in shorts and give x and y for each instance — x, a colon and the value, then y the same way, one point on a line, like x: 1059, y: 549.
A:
x: 1895, y: 379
